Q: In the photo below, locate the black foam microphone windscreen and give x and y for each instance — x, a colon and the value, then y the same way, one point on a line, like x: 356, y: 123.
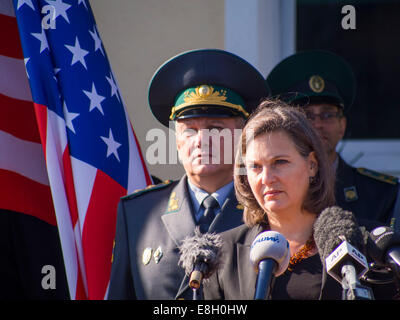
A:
x: 333, y: 226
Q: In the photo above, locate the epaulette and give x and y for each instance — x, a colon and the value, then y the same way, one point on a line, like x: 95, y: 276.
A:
x: 150, y: 187
x: 378, y: 176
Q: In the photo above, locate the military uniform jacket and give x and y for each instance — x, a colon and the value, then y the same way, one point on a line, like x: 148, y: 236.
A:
x: 368, y: 194
x: 151, y: 225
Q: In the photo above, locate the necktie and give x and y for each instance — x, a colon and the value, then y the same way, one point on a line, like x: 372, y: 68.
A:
x: 210, y: 204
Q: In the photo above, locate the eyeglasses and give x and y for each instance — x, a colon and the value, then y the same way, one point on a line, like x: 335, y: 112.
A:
x: 323, y: 116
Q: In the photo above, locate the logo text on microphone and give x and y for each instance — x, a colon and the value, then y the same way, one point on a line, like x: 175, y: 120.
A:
x: 262, y: 239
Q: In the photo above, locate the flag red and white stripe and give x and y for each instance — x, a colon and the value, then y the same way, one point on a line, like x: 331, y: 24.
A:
x: 41, y: 174
x: 24, y: 184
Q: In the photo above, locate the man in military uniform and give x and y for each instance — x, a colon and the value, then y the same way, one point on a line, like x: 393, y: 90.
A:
x: 201, y: 91
x: 324, y: 84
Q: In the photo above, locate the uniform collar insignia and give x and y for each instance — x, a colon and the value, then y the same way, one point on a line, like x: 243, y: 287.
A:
x: 350, y: 194
x: 173, y: 203
x: 240, y: 207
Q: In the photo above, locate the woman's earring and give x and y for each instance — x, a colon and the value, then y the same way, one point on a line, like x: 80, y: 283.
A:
x: 312, y: 180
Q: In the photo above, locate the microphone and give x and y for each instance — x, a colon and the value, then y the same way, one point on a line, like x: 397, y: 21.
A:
x: 337, y: 237
x: 388, y: 243
x: 200, y: 257
x: 269, y: 255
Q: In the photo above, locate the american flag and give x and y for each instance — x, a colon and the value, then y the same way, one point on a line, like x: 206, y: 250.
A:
x: 73, y: 149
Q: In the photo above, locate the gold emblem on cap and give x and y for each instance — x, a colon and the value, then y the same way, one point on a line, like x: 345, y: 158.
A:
x: 204, y: 91
x: 316, y: 83
x: 208, y: 95
x: 146, y: 257
x: 158, y: 254
x: 204, y: 94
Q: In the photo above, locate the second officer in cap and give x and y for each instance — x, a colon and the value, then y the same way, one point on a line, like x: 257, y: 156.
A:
x: 324, y: 84
x: 201, y: 91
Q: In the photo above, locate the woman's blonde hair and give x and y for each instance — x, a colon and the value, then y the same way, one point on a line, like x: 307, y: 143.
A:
x: 271, y: 116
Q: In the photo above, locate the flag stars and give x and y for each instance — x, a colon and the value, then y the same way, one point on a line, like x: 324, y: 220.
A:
x: 97, y: 40
x: 60, y: 8
x: 26, y: 60
x: 69, y: 116
x: 112, y: 145
x: 78, y: 54
x: 43, y: 40
x: 95, y: 99
x: 56, y: 71
x: 114, y: 88
x: 84, y: 3
x: 27, y: 2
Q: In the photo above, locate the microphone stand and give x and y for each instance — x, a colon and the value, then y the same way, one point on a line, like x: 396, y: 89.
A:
x: 352, y: 288
x: 198, y: 293
x: 396, y: 276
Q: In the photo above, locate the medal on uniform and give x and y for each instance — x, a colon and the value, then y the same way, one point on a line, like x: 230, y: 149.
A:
x: 158, y: 254
x: 146, y: 257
